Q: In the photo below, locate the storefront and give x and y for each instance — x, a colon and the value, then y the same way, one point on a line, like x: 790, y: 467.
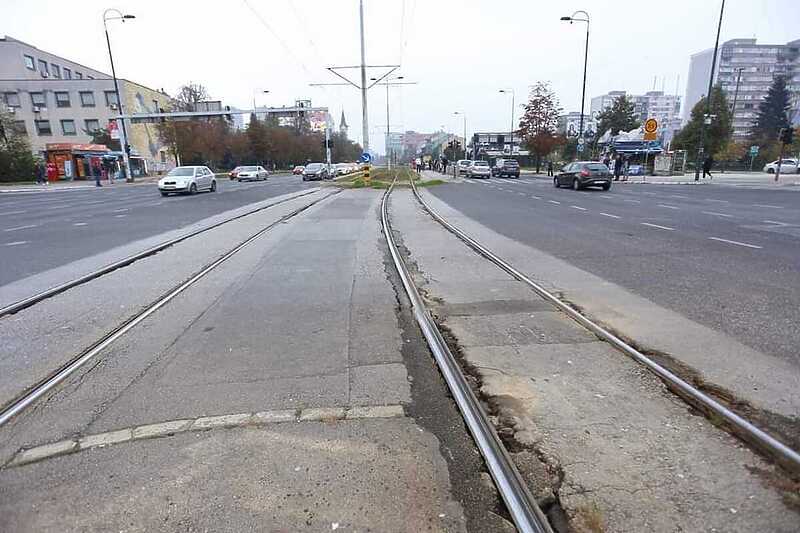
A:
x: 74, y: 160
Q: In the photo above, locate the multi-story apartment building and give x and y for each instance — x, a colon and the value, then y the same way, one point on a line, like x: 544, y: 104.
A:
x: 58, y: 101
x: 752, y: 67
x: 665, y: 108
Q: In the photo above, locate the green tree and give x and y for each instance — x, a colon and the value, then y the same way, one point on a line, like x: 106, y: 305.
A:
x: 539, y: 122
x: 773, y: 113
x: 620, y: 116
x: 16, y: 158
x: 718, y: 133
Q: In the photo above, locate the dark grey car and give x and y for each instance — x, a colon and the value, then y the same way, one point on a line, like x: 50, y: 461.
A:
x: 582, y: 174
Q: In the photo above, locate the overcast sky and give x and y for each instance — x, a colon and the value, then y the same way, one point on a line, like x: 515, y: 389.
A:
x: 459, y: 51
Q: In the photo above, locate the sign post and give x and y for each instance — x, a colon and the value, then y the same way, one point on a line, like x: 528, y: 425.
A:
x: 753, y: 154
x: 650, y: 134
x: 366, y: 158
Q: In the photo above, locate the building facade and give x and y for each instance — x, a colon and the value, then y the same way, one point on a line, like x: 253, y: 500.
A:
x: 570, y: 123
x: 665, y: 108
x: 752, y: 67
x: 58, y: 101
x: 494, y: 144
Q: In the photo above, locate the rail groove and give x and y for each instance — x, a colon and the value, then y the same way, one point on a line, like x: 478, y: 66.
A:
x: 512, y: 488
x: 19, y: 305
x: 28, y: 398
x: 763, y: 441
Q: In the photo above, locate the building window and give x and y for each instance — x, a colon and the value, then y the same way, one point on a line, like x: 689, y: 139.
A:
x: 62, y: 99
x: 111, y: 98
x: 78, y: 75
x: 43, y: 127
x: 91, y: 125
x: 56, y: 70
x: 29, y: 63
x: 68, y: 127
x: 18, y: 126
x: 87, y: 98
x: 43, y: 69
x: 38, y: 100
x: 11, y: 99
x: 67, y: 74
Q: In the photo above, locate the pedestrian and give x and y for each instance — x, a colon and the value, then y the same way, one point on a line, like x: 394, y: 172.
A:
x: 549, y: 167
x: 39, y: 172
x: 617, y: 167
x: 626, y: 168
x: 707, y: 164
x: 52, y: 172
x: 96, y: 172
x: 607, y: 161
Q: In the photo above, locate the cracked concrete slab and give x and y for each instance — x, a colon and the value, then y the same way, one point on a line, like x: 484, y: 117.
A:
x: 620, y: 451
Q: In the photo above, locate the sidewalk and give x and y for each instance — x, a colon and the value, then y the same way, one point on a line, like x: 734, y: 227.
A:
x: 736, y: 179
x: 71, y: 185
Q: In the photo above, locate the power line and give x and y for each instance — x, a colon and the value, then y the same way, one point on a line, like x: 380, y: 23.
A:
x: 301, y: 24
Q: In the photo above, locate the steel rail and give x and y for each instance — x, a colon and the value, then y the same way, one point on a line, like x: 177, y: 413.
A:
x: 25, y: 400
x: 768, y: 444
x: 520, y: 503
x: 19, y: 305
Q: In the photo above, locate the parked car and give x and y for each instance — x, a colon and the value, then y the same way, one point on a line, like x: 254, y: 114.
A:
x: 580, y: 174
x: 787, y: 166
x: 252, y: 173
x: 315, y: 171
x: 298, y: 170
x: 506, y: 167
x: 342, y: 168
x: 233, y: 173
x: 189, y: 179
x: 479, y: 169
x: 462, y: 165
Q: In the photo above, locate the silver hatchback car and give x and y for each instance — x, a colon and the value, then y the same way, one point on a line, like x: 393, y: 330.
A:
x: 479, y: 169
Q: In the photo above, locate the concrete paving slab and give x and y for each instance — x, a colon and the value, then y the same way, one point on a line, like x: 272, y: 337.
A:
x: 379, y: 384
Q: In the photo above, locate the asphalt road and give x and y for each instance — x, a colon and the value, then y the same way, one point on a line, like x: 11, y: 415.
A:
x: 43, y: 230
x: 726, y: 257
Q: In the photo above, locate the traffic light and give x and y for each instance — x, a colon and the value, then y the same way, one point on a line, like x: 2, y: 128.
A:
x: 787, y: 135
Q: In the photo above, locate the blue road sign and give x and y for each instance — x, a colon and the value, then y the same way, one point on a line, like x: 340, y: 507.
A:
x: 366, y: 157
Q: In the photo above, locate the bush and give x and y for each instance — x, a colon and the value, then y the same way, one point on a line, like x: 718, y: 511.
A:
x: 16, y: 159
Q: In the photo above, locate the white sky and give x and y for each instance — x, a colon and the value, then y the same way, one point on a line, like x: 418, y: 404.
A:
x: 460, y: 51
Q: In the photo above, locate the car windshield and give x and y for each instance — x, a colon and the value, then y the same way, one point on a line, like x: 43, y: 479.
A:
x: 181, y: 171
x: 510, y: 163
x: 248, y: 169
x: 314, y: 166
x: 481, y: 163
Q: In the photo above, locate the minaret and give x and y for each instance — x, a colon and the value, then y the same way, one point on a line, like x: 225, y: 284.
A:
x: 343, y: 125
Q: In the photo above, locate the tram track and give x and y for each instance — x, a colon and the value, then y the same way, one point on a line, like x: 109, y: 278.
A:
x: 720, y: 414
x: 38, y: 390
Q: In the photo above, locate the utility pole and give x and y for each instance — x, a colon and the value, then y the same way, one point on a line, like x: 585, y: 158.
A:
x: 389, y: 82
x: 124, y: 133
x: 572, y: 19
x: 364, y: 120
x: 707, y: 114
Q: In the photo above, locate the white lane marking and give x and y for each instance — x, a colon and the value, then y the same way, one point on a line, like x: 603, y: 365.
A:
x: 657, y: 226
x: 650, y: 193
x: 58, y: 206
x: 521, y: 193
x: 535, y: 197
x: 737, y: 243
x: 80, y: 224
x: 677, y: 196
x: 15, y: 243
x: 554, y: 202
x: 668, y: 206
x: 720, y: 201
x: 606, y: 196
x: 13, y: 213
x: 714, y: 213
x: 579, y: 208
x: 776, y: 223
x: 610, y: 215
x: 22, y: 227
x: 120, y: 210
x: 768, y: 206
x: 634, y: 201
x: 120, y: 216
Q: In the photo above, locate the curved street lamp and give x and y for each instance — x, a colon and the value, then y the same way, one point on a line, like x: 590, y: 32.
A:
x: 585, y: 18
x: 124, y: 138
x: 506, y: 91
x: 464, y: 116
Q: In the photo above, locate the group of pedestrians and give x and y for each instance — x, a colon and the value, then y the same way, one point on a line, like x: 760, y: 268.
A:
x: 48, y: 172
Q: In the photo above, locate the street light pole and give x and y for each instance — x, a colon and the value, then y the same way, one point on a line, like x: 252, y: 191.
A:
x: 707, y: 114
x: 364, y: 121
x: 464, y: 116
x: 511, y: 142
x: 389, y: 81
x: 124, y: 133
x: 585, y: 63
x: 255, y: 107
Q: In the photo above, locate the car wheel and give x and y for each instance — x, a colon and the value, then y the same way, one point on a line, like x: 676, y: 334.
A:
x: 164, y: 193
x: 214, y: 186
x: 607, y: 186
x: 770, y: 171
x: 193, y: 189
x: 556, y: 184
x: 576, y: 184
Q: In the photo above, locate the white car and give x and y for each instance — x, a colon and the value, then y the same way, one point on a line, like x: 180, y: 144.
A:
x: 479, y: 169
x: 462, y: 165
x: 189, y: 180
x: 342, y: 169
x: 788, y: 166
x: 251, y: 173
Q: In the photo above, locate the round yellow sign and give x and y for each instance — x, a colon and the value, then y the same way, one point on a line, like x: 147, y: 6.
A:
x: 651, y: 125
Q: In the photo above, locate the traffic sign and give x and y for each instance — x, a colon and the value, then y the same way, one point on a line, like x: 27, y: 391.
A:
x: 366, y: 157
x: 754, y: 150
x: 650, y: 129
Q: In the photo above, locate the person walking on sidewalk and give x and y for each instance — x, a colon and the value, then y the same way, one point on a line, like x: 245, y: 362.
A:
x: 39, y: 172
x: 707, y: 164
x: 96, y: 172
x: 550, y: 168
x: 617, y: 167
x: 52, y: 172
